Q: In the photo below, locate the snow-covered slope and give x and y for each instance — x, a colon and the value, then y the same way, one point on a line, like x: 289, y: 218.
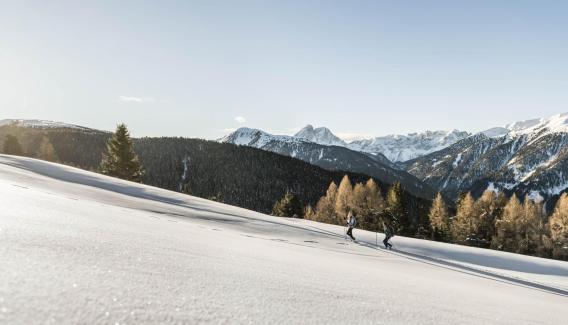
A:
x: 528, y: 157
x: 534, y: 128
x: 399, y: 148
x: 78, y: 247
x: 40, y: 124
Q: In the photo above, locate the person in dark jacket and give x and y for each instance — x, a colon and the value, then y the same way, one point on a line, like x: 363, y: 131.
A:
x: 389, y: 233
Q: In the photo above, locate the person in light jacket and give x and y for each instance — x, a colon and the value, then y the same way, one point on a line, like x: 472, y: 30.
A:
x: 351, y: 223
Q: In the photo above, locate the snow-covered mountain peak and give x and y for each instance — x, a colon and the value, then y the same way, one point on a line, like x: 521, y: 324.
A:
x: 535, y: 127
x: 319, y: 135
x: 254, y: 137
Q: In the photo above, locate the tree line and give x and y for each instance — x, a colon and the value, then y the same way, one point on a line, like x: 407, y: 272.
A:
x: 366, y: 201
x: 492, y: 221
x: 507, y: 224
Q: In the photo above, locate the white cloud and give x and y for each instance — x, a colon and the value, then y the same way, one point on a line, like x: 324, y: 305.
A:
x: 132, y: 99
x: 240, y: 119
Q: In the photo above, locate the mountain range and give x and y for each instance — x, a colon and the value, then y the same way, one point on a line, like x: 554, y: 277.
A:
x: 527, y: 157
x: 396, y: 148
x: 330, y: 157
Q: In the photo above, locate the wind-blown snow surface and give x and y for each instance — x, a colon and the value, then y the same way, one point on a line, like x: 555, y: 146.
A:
x: 77, y: 247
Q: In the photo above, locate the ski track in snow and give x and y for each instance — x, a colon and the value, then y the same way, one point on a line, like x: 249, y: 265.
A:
x: 78, y: 247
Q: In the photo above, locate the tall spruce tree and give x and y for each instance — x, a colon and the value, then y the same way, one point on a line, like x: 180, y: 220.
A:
x: 558, y: 225
x: 120, y: 159
x: 439, y: 218
x: 12, y: 146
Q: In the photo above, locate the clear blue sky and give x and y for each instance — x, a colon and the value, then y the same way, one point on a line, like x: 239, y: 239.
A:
x: 190, y: 68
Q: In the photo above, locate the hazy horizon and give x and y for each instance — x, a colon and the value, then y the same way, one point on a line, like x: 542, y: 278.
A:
x: 363, y: 68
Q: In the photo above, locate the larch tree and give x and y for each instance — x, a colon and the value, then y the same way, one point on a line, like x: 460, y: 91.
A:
x: 120, y: 160
x: 359, y: 201
x: 375, y: 200
x: 506, y: 227
x: 325, y: 208
x: 488, y: 209
x: 309, y: 213
x: 558, y: 225
x: 375, y: 203
x: 12, y: 146
x: 528, y: 236
x: 344, y: 199
x: 439, y: 218
x: 46, y: 150
x: 464, y: 224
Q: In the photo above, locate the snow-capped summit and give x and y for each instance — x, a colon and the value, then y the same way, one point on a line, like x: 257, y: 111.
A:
x: 254, y: 137
x: 319, y: 135
x: 534, y: 128
x: 399, y: 148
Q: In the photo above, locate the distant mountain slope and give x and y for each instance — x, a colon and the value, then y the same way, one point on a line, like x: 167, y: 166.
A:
x: 395, y: 148
x: 242, y: 176
x: 529, y: 157
x: 330, y: 157
x: 41, y: 124
x: 399, y: 148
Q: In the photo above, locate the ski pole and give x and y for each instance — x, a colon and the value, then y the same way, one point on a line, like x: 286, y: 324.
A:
x: 376, y: 239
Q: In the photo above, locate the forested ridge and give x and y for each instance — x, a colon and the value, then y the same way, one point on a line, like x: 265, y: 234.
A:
x: 243, y: 176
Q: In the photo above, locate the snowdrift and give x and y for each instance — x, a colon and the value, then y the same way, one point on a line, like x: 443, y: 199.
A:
x: 78, y: 247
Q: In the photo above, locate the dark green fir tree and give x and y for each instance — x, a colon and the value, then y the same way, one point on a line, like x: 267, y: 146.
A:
x: 120, y: 160
x: 289, y: 206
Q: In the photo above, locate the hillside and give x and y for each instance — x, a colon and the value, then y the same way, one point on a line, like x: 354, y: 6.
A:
x: 242, y: 176
x: 78, y: 247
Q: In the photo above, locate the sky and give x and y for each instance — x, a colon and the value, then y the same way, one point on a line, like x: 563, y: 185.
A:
x: 361, y: 68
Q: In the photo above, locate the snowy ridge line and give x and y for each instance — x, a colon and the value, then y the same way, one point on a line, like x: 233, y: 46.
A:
x: 471, y: 270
